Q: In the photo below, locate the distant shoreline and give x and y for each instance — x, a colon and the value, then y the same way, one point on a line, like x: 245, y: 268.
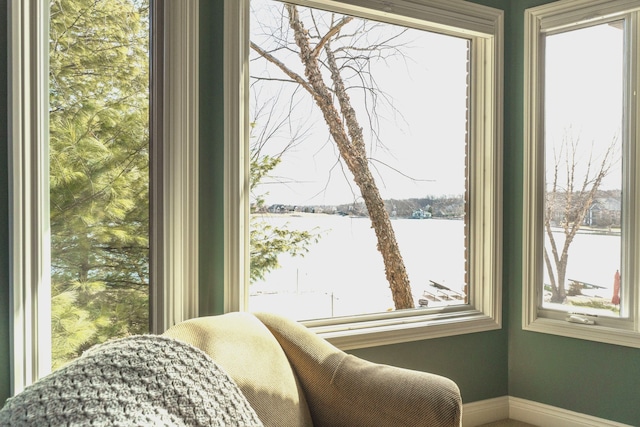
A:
x: 325, y: 214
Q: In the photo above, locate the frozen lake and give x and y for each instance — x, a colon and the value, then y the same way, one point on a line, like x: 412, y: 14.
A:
x: 343, y: 273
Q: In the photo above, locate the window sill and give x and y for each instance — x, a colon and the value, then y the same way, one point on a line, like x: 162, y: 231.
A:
x: 354, y: 334
x: 598, y: 333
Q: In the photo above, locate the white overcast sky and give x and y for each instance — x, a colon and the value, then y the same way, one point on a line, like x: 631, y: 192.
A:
x: 584, y: 92
x: 425, y: 141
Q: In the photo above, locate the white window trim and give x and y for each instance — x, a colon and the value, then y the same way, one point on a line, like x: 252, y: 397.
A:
x: 484, y: 26
x: 29, y: 198
x: 551, y: 18
x: 29, y: 226
x: 181, y: 126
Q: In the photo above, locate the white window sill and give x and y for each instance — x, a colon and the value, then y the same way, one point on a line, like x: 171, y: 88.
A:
x: 603, y: 334
x: 394, y: 330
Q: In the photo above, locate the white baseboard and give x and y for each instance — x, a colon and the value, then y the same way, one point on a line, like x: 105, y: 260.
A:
x: 485, y: 411
x: 539, y: 414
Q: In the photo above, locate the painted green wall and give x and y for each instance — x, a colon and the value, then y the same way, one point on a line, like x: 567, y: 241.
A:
x: 476, y: 362
x: 583, y: 376
x: 211, y: 215
x: 4, y: 211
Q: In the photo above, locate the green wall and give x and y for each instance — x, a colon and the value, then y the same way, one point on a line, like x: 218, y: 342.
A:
x: 211, y: 158
x: 601, y: 380
x: 476, y: 362
x: 4, y: 212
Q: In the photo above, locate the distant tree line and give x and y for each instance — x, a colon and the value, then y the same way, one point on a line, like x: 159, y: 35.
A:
x: 437, y: 206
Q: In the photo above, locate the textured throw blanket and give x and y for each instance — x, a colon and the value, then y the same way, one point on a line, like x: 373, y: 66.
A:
x: 141, y: 380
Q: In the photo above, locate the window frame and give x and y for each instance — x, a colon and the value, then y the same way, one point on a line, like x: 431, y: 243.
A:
x: 484, y: 27
x: 174, y: 239
x: 549, y: 19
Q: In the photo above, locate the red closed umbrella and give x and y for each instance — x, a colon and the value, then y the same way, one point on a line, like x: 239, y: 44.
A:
x: 616, y: 288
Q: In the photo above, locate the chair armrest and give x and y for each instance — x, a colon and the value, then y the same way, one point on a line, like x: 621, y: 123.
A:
x: 343, y: 390
x: 375, y: 394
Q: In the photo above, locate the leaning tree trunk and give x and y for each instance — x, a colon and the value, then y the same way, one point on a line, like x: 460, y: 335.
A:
x: 352, y: 149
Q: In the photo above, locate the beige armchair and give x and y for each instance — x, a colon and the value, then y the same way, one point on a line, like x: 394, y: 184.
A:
x: 292, y: 377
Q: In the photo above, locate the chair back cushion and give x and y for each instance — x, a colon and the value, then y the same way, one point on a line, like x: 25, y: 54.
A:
x: 251, y: 355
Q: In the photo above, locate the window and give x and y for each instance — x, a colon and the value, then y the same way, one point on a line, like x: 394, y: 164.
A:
x: 35, y: 100
x: 580, y: 276
x: 424, y: 84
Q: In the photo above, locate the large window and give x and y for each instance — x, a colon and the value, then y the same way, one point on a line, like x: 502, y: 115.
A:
x: 580, y: 159
x: 100, y: 226
x: 368, y: 172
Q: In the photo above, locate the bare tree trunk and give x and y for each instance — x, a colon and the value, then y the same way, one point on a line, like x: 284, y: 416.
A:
x: 351, y: 145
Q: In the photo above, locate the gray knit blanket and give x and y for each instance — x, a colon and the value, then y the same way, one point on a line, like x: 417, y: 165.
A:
x: 143, y: 380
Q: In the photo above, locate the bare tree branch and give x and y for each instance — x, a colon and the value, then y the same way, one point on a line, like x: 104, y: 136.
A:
x: 275, y: 61
x: 332, y: 32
